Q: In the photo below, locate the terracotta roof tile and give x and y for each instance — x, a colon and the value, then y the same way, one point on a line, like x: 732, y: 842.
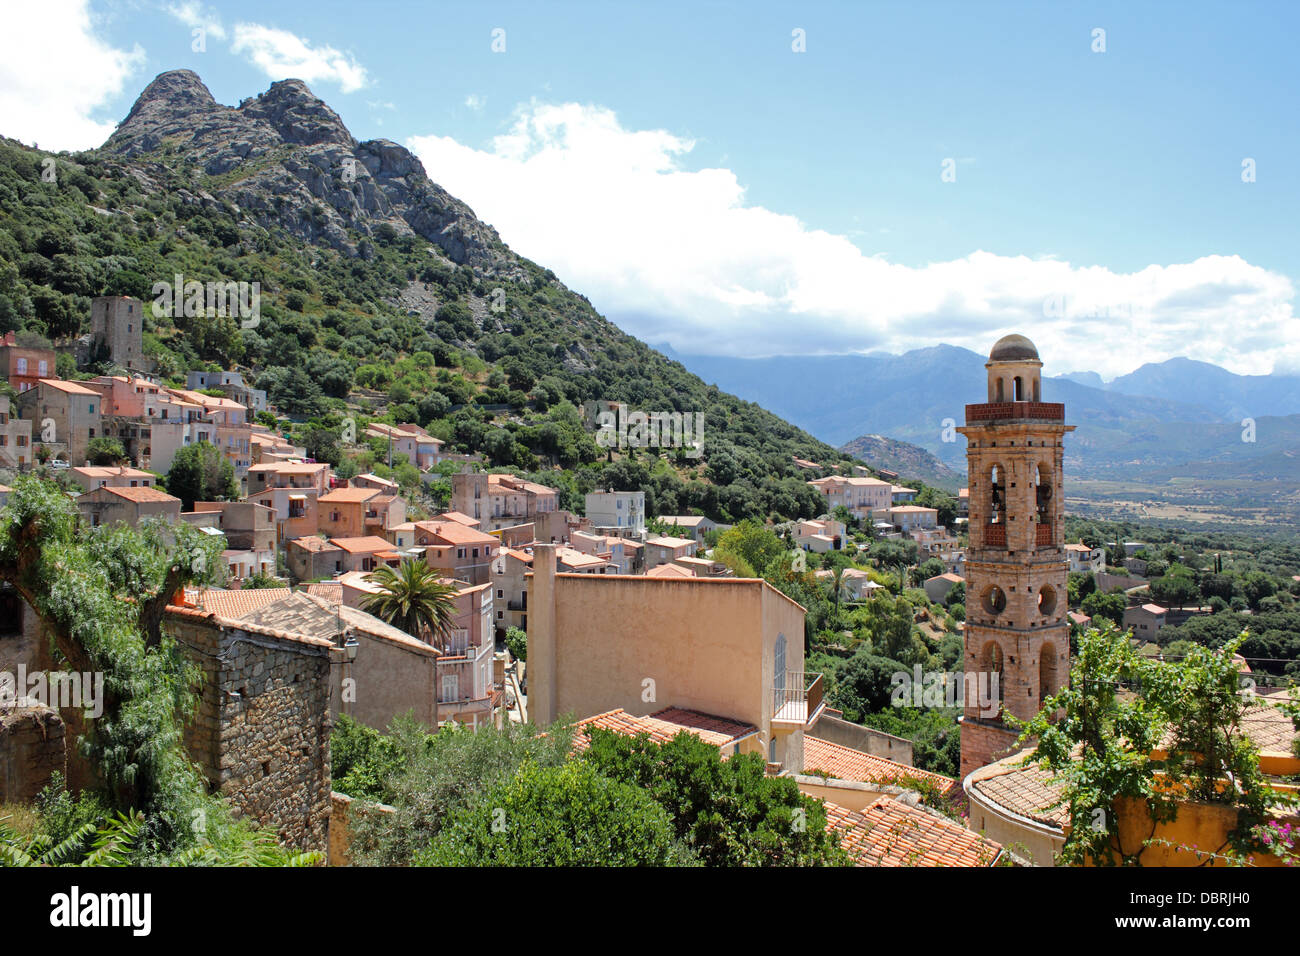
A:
x: 891, y: 833
x: 845, y: 763
x: 664, y: 725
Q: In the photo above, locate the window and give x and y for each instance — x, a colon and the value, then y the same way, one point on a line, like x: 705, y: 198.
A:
x: 500, y: 593
x: 450, y: 687
x: 22, y: 366
x: 43, y: 368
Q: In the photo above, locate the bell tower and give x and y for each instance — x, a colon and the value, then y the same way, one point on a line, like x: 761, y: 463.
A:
x: 1017, y: 639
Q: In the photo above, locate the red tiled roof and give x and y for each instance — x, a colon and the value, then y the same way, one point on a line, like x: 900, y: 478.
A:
x: 845, y: 763
x: 891, y: 833
x: 235, y: 604
x: 365, y: 543
x: 664, y: 725
x: 141, y: 494
x: 348, y: 496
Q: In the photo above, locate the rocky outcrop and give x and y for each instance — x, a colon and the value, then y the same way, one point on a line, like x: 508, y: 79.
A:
x: 286, y: 159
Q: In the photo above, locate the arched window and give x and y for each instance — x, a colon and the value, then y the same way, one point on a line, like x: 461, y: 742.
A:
x: 1047, y: 600
x: 1019, y: 389
x: 990, y: 674
x: 1000, y: 397
x: 1046, y: 672
x: 997, y: 493
x: 1042, y: 495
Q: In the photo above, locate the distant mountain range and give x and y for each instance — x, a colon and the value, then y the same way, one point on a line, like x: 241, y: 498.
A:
x: 1179, y: 416
x: 908, y: 460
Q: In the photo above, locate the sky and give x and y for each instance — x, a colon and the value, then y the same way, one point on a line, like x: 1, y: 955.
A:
x: 1119, y: 181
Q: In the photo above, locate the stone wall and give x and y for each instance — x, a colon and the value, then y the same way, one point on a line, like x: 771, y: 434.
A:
x: 261, y: 732
x: 855, y: 736
x: 32, y: 749
x: 341, y: 809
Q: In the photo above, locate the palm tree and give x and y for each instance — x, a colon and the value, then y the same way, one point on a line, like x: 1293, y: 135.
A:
x: 412, y: 598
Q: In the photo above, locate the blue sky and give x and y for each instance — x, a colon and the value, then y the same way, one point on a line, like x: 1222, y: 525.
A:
x: 710, y: 187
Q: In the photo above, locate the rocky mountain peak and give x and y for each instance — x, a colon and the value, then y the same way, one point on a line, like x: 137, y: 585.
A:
x: 284, y: 158
x: 298, y: 115
x: 177, y: 97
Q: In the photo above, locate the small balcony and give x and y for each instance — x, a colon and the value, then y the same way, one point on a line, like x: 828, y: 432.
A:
x: 1015, y: 411
x: 798, y: 703
x: 1043, y: 534
x: 995, y: 535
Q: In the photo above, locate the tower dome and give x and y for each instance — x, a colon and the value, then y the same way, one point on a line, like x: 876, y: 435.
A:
x: 1013, y: 348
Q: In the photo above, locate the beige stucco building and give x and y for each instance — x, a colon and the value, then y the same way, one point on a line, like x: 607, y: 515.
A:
x: 728, y: 647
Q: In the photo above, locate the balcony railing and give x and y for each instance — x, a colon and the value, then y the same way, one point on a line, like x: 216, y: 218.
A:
x: 800, y: 700
x: 994, y: 411
x: 995, y: 535
x: 1044, y: 535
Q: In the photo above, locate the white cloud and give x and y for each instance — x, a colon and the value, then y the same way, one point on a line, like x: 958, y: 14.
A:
x: 56, y: 73
x: 282, y: 55
x: 676, y: 255
x: 474, y: 102
x: 193, y: 15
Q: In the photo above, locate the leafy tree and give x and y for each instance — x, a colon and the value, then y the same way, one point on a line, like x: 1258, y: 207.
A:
x: 728, y: 812
x: 200, y: 472
x: 414, y: 599
x: 864, y: 684
x: 1119, y: 707
x: 749, y: 540
x: 100, y: 594
x: 1109, y: 607
x: 441, y: 773
x: 103, y: 451
x: 517, y: 643
x: 556, y: 816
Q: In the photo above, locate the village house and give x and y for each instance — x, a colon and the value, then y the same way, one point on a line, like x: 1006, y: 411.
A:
x: 937, y: 587
x: 365, y: 553
x: 610, y: 549
x: 312, y: 557
x: 296, y: 510
x: 689, y: 526
x: 232, y: 383
x: 501, y: 500
x: 15, y: 438
x: 900, y: 495
x: 861, y: 496
x: 510, y: 570
x: 104, y: 506
x: 25, y: 365
x: 617, y: 512
x: 342, y: 511
x: 410, y: 442
x: 819, y: 536
x: 268, y: 447
x: 65, y: 416
x: 725, y: 647
x: 1145, y: 620
x: 299, y: 475
x: 456, y: 550
x: 91, y: 477
x: 1085, y: 559
x: 908, y: 518
x: 665, y: 550
x: 466, y: 690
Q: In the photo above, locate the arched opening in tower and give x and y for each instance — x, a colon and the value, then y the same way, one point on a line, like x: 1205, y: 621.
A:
x: 996, y: 495
x: 991, y: 673
x: 1043, y: 505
